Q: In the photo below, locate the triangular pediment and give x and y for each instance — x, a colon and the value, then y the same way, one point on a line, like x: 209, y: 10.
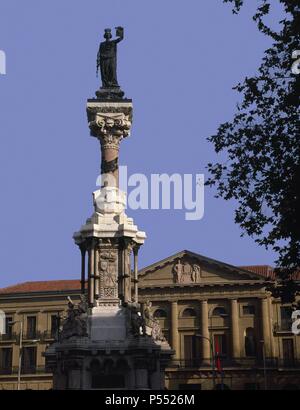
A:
x: 188, y: 268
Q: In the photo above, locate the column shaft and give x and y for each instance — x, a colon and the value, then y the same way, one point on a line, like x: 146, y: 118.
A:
x: 91, y: 275
x: 82, y: 270
x: 96, y: 273
x: 265, y: 326
x: 136, y: 281
x: 206, y: 354
x: 109, y: 164
x: 174, y: 330
x: 236, y: 347
x: 272, y: 342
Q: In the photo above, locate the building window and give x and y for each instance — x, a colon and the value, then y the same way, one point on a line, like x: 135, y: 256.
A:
x: 29, y: 360
x: 189, y: 312
x: 250, y: 346
x: 54, y: 326
x: 160, y: 314
x: 220, y: 343
x: 219, y: 311
x: 6, y: 360
x: 191, y: 350
x: 286, y: 318
x: 288, y: 351
x: 248, y: 310
x: 8, y: 327
x: 31, y: 327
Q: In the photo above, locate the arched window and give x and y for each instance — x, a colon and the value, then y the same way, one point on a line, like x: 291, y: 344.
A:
x: 250, y: 348
x: 219, y: 311
x: 189, y: 312
x: 160, y: 314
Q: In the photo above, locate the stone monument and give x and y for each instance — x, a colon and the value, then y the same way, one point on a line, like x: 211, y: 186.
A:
x: 107, y: 340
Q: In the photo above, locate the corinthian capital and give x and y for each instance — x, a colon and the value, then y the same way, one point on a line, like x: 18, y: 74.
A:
x: 110, y: 128
x: 109, y: 122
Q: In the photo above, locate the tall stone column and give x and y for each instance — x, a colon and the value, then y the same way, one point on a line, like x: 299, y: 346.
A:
x: 265, y: 326
x: 206, y: 354
x: 174, y: 330
x: 109, y: 235
x: 272, y: 342
x: 235, y: 332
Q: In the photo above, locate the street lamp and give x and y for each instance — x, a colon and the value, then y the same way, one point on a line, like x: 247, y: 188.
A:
x: 212, y: 360
x: 20, y: 349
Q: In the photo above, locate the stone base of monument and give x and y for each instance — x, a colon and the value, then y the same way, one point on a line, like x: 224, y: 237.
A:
x: 110, y: 357
x: 110, y: 93
x: 108, y: 323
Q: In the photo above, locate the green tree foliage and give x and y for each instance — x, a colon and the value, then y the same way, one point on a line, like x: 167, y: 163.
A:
x: 262, y: 143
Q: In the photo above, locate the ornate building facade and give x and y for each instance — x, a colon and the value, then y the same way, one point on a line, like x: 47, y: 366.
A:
x: 227, y: 331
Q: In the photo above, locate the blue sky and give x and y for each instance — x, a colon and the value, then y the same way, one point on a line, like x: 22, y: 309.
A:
x: 178, y: 62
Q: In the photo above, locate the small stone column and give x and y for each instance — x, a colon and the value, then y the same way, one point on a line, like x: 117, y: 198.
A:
x: 125, y: 277
x: 206, y: 354
x: 136, y: 280
x: 91, y: 277
x: 96, y: 274
x: 174, y: 330
x: 82, y: 282
x: 235, y: 332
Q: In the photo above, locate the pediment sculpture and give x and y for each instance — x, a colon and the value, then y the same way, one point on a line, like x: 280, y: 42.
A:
x: 186, y: 272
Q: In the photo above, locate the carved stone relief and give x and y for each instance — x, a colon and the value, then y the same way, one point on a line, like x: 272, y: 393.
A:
x: 108, y: 274
x: 186, y: 272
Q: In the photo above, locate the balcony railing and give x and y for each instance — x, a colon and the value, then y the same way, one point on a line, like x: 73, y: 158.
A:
x: 7, y: 337
x: 32, y: 335
x: 245, y: 362
x: 52, y: 335
x: 24, y: 370
x: 6, y: 371
x: 283, y: 327
x: 29, y: 336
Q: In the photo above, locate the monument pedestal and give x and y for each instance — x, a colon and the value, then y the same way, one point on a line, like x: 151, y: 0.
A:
x: 110, y: 93
x: 109, y: 358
